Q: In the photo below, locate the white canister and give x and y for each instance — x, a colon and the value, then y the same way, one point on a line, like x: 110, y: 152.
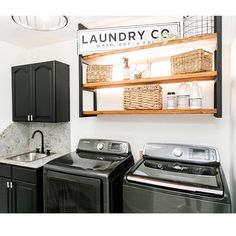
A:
x: 183, y: 101
x: 171, y: 100
x: 195, y: 103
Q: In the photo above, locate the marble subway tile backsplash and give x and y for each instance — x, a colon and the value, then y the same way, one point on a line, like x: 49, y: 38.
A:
x: 16, y: 138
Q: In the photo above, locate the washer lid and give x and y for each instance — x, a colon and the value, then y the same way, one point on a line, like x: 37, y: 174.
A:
x: 88, y: 161
x: 186, y: 177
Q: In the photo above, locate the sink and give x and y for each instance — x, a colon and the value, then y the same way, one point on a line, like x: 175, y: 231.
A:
x: 28, y: 157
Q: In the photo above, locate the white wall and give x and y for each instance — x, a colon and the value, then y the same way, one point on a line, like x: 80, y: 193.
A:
x: 9, y: 56
x: 138, y: 129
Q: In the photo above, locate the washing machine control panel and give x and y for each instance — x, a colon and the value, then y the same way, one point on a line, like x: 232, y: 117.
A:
x: 104, y: 146
x: 180, y: 152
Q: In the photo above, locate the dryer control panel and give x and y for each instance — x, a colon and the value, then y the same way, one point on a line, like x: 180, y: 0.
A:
x: 181, y: 152
x: 104, y: 146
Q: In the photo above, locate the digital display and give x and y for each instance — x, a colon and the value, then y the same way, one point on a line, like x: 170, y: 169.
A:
x: 200, y: 154
x: 198, y: 150
x: 115, y: 146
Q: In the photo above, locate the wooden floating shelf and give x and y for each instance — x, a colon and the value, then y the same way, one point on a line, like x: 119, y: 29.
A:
x: 164, y: 111
x: 154, y: 45
x: 203, y: 76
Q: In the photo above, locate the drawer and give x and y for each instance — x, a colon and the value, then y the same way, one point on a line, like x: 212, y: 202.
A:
x: 24, y: 174
x: 5, y: 170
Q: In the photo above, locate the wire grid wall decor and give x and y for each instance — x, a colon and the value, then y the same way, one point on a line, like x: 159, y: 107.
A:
x: 197, y: 25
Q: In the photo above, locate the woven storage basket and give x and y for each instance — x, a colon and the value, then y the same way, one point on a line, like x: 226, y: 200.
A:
x: 145, y: 97
x: 194, y: 61
x: 99, y: 73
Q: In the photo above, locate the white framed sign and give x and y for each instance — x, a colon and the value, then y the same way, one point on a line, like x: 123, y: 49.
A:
x: 98, y: 40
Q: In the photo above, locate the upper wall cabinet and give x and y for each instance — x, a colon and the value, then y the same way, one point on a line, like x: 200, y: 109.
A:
x: 40, y: 92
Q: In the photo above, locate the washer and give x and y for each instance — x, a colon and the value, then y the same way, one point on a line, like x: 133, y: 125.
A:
x: 88, y: 180
x: 175, y: 178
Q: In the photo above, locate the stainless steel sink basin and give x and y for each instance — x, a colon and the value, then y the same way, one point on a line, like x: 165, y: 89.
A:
x: 28, y: 157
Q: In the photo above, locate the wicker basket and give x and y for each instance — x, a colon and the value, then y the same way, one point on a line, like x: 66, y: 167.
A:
x: 145, y: 97
x: 194, y: 61
x: 99, y: 73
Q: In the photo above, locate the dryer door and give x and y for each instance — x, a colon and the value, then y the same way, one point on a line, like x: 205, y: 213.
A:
x: 66, y: 193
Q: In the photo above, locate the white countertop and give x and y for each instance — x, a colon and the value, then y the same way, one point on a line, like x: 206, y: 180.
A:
x: 33, y: 164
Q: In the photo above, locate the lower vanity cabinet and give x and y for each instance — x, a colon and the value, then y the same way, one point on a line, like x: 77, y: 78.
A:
x: 21, y: 189
x: 24, y: 197
x: 4, y: 195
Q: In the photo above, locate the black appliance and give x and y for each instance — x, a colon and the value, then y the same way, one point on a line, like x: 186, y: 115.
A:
x: 88, y: 180
x: 174, y: 178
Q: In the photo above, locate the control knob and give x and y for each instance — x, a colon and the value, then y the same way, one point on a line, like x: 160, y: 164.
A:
x: 178, y: 152
x: 100, y: 146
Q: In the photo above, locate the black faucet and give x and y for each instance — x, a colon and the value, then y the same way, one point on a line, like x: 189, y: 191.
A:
x: 39, y: 131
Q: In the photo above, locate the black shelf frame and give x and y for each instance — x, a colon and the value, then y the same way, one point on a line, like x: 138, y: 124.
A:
x: 81, y: 89
x: 217, y: 65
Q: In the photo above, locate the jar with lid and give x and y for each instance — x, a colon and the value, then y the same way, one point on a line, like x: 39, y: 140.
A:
x: 171, y: 100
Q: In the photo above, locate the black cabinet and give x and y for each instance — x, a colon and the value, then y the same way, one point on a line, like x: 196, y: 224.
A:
x: 21, y: 89
x: 24, y: 197
x: 40, y: 92
x: 43, y: 94
x: 21, y: 189
x: 5, y: 197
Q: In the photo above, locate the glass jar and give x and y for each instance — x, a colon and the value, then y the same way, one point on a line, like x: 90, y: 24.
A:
x: 183, y: 101
x: 171, y: 100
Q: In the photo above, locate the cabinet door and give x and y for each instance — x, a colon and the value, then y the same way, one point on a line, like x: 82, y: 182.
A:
x: 21, y: 92
x: 43, y: 79
x: 24, y: 197
x: 5, y: 198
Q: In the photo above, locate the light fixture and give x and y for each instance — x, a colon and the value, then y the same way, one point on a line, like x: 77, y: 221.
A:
x: 41, y: 23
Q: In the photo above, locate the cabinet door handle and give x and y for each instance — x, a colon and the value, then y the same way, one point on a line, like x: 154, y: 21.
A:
x: 31, y: 117
x: 28, y: 117
x: 8, y: 184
